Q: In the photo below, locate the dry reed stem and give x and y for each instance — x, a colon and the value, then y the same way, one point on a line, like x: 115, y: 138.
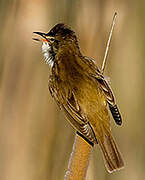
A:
x: 79, y: 160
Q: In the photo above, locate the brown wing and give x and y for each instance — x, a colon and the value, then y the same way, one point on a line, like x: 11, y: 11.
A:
x: 96, y: 73
x: 68, y: 103
x: 111, y: 101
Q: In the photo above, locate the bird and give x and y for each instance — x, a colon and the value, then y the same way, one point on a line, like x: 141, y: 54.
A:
x: 82, y: 92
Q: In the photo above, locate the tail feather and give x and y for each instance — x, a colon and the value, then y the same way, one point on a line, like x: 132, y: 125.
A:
x: 116, y: 114
x: 111, y: 154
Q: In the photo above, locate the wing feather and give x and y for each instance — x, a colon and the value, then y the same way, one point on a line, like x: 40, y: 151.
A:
x: 68, y: 103
x: 104, y: 85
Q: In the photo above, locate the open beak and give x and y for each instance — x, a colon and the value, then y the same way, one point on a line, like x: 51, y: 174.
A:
x: 44, y: 39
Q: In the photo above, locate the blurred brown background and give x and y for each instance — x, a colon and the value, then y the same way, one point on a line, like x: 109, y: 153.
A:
x: 35, y: 138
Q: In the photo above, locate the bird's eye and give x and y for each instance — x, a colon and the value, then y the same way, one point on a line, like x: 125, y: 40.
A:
x: 52, y: 39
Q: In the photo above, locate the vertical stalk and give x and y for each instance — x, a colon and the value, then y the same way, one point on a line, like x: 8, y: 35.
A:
x: 79, y: 160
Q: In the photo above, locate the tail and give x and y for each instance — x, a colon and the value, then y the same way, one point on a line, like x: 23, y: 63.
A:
x: 116, y: 114
x: 111, y: 154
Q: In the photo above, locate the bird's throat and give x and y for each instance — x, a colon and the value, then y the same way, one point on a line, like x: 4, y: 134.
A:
x: 48, y: 53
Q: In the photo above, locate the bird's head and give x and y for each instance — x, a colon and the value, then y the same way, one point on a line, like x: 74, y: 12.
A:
x: 58, y: 36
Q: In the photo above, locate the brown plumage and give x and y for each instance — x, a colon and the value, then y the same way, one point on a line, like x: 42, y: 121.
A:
x: 81, y: 91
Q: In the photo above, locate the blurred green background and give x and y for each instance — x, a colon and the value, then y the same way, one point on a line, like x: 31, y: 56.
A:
x: 35, y: 138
